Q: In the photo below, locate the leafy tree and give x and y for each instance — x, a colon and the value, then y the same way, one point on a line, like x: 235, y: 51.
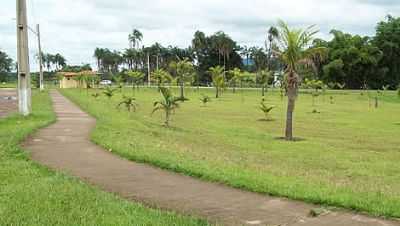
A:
x: 387, y: 39
x: 129, y: 103
x: 168, y: 104
x: 293, y: 51
x: 353, y: 60
x: 217, y: 74
x: 5, y: 65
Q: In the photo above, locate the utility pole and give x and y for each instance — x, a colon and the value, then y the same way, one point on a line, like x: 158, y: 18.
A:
x: 24, y: 77
x: 41, y: 82
x: 148, y: 70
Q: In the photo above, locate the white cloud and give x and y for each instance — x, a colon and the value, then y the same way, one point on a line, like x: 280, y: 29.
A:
x: 75, y: 27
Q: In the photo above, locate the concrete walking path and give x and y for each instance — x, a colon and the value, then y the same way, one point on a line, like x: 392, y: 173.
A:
x: 66, y: 146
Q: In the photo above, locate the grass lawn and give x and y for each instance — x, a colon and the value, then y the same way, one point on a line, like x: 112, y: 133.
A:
x: 349, y: 158
x: 32, y: 195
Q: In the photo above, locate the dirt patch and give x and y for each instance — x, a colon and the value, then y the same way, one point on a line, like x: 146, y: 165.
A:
x: 8, y: 102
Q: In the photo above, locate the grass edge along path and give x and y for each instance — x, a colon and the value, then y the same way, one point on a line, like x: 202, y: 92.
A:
x: 296, y: 189
x: 34, y: 195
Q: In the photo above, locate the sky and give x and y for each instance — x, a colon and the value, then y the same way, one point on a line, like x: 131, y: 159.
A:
x: 74, y: 28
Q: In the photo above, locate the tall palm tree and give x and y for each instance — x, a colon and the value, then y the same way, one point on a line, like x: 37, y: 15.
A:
x: 273, y: 34
x: 135, y: 38
x: 294, y: 50
x: 99, y: 55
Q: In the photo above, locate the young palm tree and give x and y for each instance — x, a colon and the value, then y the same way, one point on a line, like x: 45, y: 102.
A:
x: 129, y: 103
x: 217, y: 74
x: 398, y: 91
x: 168, y: 104
x: 136, y: 77
x: 263, y: 78
x: 205, y: 99
x: 236, y: 78
x: 161, y: 76
x: 185, y: 72
x: 109, y: 92
x: 266, y: 110
x: 294, y: 49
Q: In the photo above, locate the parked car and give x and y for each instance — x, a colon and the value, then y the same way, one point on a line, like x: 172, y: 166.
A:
x: 105, y: 82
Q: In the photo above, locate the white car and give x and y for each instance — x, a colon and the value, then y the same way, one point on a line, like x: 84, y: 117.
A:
x: 105, y: 82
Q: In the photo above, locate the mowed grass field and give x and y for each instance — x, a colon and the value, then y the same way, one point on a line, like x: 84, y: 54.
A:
x: 33, y: 195
x: 349, y: 156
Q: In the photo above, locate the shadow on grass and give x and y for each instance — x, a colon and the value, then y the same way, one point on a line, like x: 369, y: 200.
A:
x: 295, y: 139
x: 266, y: 120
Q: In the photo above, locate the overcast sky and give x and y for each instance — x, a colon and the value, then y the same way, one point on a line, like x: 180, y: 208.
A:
x: 75, y: 28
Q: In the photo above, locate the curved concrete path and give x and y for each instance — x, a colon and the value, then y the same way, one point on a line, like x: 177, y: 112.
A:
x: 65, y: 146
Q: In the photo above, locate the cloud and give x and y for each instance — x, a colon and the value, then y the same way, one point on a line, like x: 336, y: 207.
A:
x: 75, y: 27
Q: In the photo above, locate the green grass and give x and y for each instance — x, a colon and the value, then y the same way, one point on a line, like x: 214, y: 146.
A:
x: 349, y: 158
x: 33, y: 195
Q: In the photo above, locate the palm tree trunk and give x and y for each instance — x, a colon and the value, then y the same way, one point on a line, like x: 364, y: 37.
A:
x: 182, y: 91
x: 216, y: 92
x: 289, y: 113
x: 263, y: 90
x: 167, y: 118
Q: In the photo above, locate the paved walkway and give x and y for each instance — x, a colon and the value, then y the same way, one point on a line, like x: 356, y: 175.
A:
x: 8, y: 101
x: 65, y: 146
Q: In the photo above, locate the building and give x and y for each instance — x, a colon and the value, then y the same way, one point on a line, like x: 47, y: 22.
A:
x: 74, y: 79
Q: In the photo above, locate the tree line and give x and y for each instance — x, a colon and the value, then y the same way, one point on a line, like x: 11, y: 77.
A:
x: 353, y: 61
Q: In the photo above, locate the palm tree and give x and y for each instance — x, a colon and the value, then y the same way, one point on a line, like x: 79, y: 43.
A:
x: 273, y: 34
x: 217, y: 75
x: 185, y: 72
x: 136, y: 77
x: 135, y: 38
x: 129, y: 103
x: 168, y: 104
x: 236, y: 78
x: 205, y: 99
x: 99, y: 55
x: 161, y: 76
x: 263, y: 78
x: 294, y: 50
x: 266, y: 110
